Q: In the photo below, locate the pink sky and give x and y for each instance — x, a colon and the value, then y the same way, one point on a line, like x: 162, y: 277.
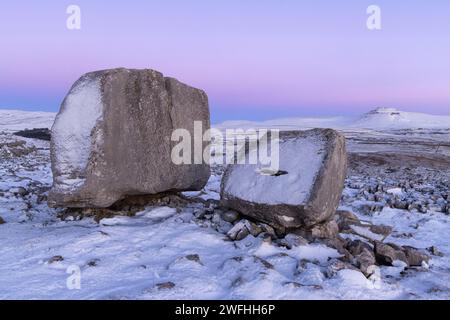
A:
x: 255, y: 59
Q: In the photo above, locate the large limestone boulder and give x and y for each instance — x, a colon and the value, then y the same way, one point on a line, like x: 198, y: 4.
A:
x: 304, y: 192
x: 112, y: 138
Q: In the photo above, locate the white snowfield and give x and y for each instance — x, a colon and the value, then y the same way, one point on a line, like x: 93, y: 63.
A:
x: 378, y: 119
x: 15, y: 120
x: 164, y: 253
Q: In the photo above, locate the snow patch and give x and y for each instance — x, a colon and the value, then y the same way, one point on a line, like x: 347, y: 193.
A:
x: 301, y: 158
x: 74, y: 126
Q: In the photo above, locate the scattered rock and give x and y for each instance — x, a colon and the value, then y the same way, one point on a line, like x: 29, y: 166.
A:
x: 230, y: 216
x: 435, y: 252
x: 356, y: 247
x: 365, y: 261
x: 415, y: 257
x: 349, y: 223
x: 336, y: 265
x: 200, y: 213
x: 165, y: 285
x: 17, y: 149
x: 2, y: 221
x: 317, y: 156
x: 239, y: 231
x: 386, y: 254
x: 339, y: 244
x: 253, y: 228
x: 120, y: 122
x: 264, y: 262
x: 326, y: 230
x: 269, y: 230
x: 292, y: 240
x: 55, y: 259
x: 194, y: 257
x: 40, y: 134
x: 93, y: 262
x: 300, y: 285
x: 382, y: 230
x: 21, y: 191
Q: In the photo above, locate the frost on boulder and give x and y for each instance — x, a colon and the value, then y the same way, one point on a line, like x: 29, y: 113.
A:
x: 72, y: 142
x: 308, y: 192
x: 112, y: 138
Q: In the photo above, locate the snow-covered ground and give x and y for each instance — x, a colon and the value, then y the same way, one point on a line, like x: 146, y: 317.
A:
x: 15, y: 120
x: 182, y: 252
x: 378, y: 119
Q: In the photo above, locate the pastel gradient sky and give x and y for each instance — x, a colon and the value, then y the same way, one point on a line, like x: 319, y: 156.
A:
x: 256, y: 59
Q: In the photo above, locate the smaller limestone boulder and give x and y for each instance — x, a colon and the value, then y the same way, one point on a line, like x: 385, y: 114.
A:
x: 306, y: 189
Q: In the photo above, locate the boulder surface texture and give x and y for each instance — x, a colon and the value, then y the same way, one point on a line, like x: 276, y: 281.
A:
x: 112, y: 138
x: 304, y: 192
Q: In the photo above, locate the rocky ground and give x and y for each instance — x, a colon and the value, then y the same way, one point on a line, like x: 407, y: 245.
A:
x: 394, y: 215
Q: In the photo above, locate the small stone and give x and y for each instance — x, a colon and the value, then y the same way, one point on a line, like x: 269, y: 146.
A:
x: 415, y: 257
x: 165, y: 285
x: 386, y: 254
x: 2, y: 221
x: 381, y: 230
x: 269, y: 230
x: 294, y: 240
x: 339, y: 244
x: 402, y: 205
x: 200, y: 213
x: 239, y: 231
x: 21, y: 191
x: 435, y: 252
x: 93, y: 262
x: 356, y: 247
x: 253, y: 228
x: 327, y: 230
x: 264, y: 262
x: 344, y: 219
x: 194, y: 257
x: 365, y: 261
x: 230, y: 216
x: 337, y: 265
x: 55, y: 259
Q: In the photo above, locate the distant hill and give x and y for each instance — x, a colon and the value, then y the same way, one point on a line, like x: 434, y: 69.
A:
x: 378, y: 119
x: 390, y: 118
x: 15, y: 120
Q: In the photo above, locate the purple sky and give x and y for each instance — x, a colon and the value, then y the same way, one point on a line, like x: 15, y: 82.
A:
x: 256, y: 59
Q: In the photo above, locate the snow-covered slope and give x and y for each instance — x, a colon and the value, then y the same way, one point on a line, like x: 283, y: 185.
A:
x: 290, y: 123
x: 378, y: 119
x: 14, y: 120
x: 390, y: 118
